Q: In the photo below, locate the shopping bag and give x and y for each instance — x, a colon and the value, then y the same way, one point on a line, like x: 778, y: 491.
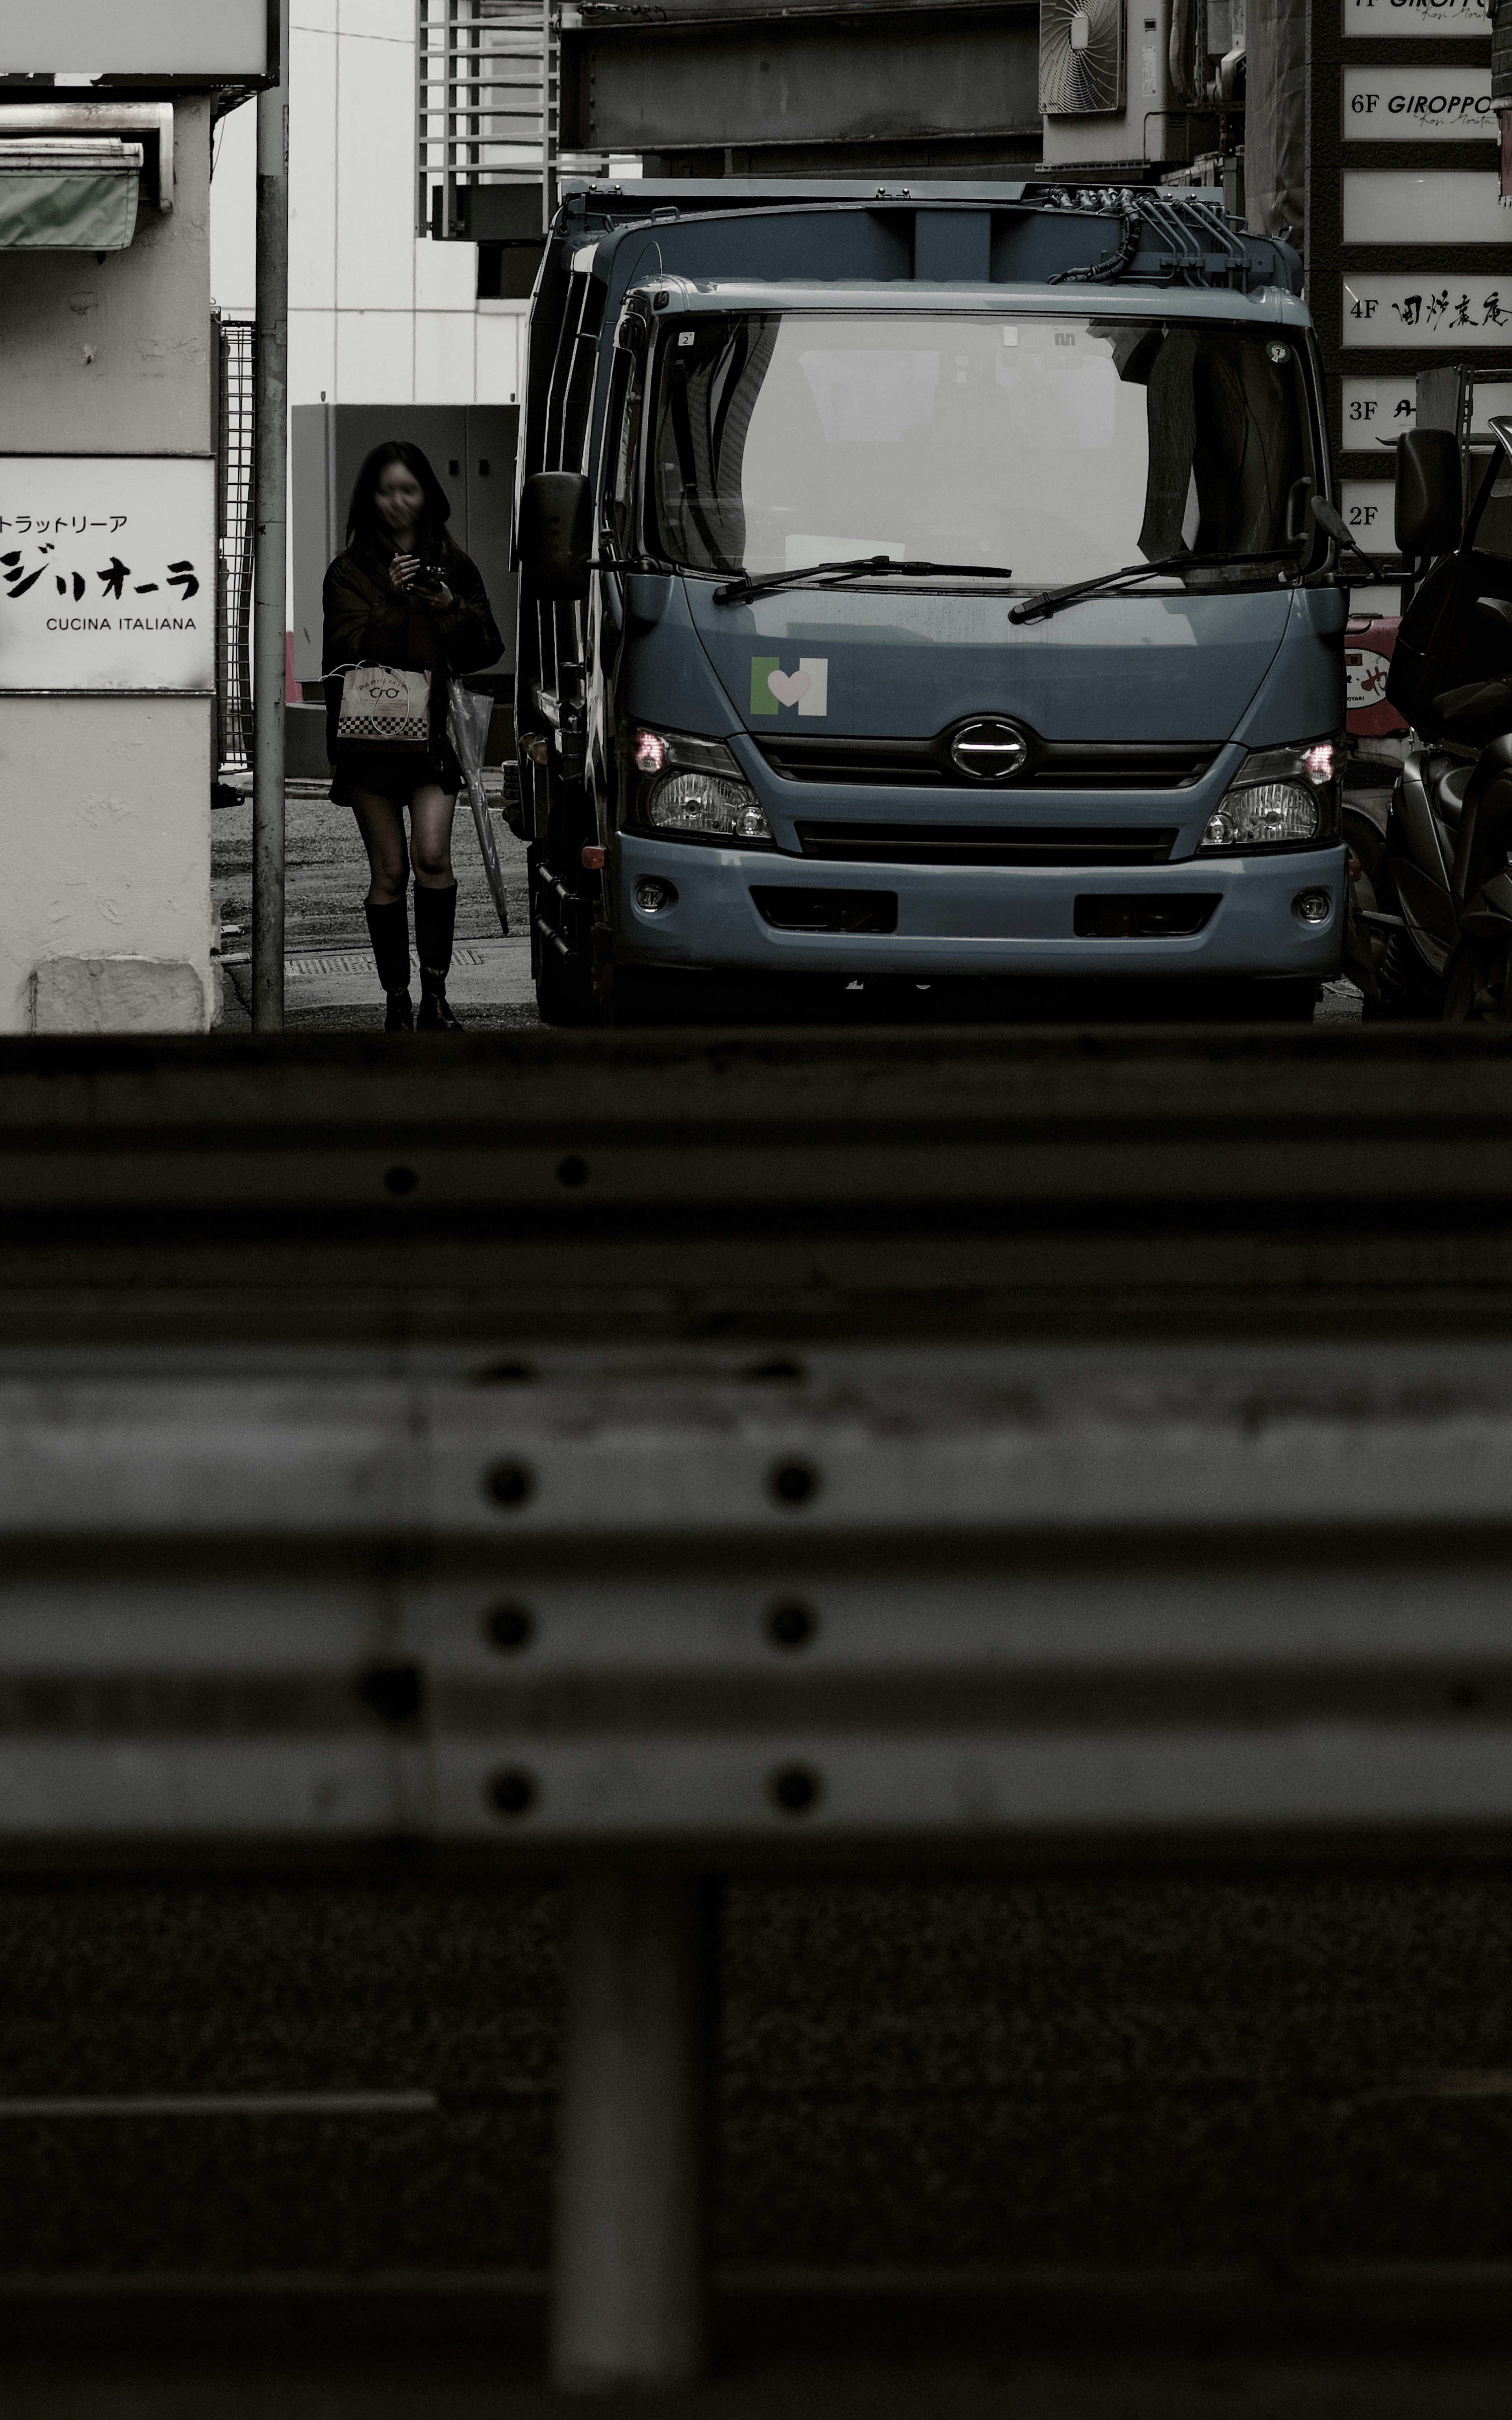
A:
x: 468, y: 717
x: 381, y: 707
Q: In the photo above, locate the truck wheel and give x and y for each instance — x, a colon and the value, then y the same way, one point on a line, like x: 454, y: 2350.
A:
x: 565, y: 992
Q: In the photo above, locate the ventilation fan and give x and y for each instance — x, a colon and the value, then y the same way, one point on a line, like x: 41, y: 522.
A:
x: 1081, y: 57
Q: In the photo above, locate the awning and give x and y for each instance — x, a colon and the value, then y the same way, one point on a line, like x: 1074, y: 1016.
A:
x: 68, y: 194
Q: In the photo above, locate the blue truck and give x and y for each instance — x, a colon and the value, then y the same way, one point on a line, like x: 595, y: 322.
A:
x: 924, y: 582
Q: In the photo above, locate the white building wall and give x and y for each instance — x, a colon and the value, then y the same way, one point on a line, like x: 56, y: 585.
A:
x: 377, y: 314
x: 105, y: 799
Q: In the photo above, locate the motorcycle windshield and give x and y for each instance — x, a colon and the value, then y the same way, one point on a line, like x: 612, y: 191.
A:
x: 1060, y: 446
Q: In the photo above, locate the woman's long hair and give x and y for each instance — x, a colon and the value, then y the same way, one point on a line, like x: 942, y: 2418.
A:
x: 363, y: 527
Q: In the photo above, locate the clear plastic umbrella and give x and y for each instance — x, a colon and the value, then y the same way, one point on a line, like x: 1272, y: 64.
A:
x: 468, y: 716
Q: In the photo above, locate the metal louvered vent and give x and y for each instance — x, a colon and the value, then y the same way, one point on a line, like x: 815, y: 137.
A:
x: 1081, y: 57
x: 488, y: 92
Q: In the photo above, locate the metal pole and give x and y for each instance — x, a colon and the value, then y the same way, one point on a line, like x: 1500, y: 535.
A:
x: 547, y: 198
x: 269, y: 612
x: 627, y: 2282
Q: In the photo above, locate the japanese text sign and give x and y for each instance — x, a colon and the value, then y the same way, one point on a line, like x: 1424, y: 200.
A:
x: 107, y: 572
x: 1453, y: 314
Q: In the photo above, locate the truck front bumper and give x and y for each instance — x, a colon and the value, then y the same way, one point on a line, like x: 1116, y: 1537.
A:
x: 974, y: 921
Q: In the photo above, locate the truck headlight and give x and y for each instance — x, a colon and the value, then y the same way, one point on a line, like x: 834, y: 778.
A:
x: 1280, y: 797
x: 683, y: 788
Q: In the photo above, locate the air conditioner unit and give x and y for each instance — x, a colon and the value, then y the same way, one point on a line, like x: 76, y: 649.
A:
x: 1106, y: 88
x: 1081, y: 57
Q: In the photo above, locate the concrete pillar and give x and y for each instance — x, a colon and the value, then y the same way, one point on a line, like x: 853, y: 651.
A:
x: 627, y: 2282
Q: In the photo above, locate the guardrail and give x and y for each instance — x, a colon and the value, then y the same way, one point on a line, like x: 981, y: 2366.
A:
x: 949, y: 1184
x: 506, y: 1448
x: 648, y: 1614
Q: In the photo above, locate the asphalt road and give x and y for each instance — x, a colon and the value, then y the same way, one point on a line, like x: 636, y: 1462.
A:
x: 1052, y: 2147
x: 1265, y: 2077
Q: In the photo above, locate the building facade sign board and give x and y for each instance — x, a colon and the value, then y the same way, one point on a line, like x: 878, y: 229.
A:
x: 1440, y: 206
x: 107, y: 573
x: 1427, y: 309
x: 1409, y: 264
x: 1397, y: 21
x: 1390, y: 104
x: 1368, y: 507
x: 1378, y: 408
x: 84, y: 41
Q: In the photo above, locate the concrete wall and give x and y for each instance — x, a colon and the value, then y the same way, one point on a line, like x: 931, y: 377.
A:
x: 105, y: 839
x: 104, y: 801
x: 377, y: 314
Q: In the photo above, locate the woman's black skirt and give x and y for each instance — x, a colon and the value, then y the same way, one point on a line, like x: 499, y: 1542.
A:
x: 393, y: 774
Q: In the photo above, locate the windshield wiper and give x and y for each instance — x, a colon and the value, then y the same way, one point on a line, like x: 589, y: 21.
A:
x: 736, y: 590
x: 1050, y: 600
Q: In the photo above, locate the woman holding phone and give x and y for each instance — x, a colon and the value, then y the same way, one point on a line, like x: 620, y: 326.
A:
x: 403, y: 596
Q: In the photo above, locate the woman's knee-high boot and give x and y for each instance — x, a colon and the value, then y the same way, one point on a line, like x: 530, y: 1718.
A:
x: 435, y: 923
x: 389, y: 931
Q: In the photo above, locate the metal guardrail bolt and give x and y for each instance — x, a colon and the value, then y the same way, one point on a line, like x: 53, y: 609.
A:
x: 572, y: 1171
x: 793, y: 1483
x: 400, y: 1181
x: 509, y: 1626
x: 395, y: 1692
x: 510, y: 1483
x: 790, y: 1626
x: 794, y: 1788
x: 512, y: 1793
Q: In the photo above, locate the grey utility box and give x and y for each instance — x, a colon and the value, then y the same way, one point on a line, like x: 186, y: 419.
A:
x: 472, y: 449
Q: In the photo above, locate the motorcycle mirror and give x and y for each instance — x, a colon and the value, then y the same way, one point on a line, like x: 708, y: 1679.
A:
x: 1331, y: 521
x: 1430, y: 492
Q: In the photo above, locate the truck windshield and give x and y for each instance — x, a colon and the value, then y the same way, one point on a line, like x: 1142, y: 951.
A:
x: 1063, y: 446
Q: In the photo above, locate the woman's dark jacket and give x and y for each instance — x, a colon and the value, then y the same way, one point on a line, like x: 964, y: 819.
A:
x: 368, y: 622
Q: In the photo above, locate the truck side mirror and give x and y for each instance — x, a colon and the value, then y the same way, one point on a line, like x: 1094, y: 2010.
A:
x: 1430, y: 492
x: 555, y: 534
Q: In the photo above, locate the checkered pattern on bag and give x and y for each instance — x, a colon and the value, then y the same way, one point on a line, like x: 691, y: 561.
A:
x: 382, y: 704
x: 374, y: 726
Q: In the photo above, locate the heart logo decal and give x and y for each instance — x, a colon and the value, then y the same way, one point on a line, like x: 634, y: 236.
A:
x: 787, y: 687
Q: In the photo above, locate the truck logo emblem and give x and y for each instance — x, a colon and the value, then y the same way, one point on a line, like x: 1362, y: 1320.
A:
x: 989, y: 750
x: 808, y: 689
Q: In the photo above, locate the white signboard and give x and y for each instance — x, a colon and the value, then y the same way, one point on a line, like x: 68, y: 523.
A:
x: 82, y: 39
x: 1369, y: 509
x: 1416, y: 104
x: 1377, y: 408
x: 1447, y: 315
x: 107, y: 572
x: 1397, y: 21
x: 1446, y: 206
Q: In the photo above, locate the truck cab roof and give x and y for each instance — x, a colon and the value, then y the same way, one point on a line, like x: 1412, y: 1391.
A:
x: 1027, y: 233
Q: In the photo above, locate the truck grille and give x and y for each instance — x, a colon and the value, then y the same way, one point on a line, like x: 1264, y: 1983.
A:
x: 984, y: 843
x: 925, y: 764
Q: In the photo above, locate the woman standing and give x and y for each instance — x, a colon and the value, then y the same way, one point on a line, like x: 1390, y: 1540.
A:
x: 404, y: 595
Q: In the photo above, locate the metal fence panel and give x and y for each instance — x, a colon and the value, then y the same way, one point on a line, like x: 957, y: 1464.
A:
x: 488, y: 96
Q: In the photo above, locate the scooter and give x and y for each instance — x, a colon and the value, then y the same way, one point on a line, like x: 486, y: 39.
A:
x: 1428, y: 916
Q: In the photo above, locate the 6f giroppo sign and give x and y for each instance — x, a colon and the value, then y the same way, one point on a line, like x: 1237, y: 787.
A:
x: 107, y: 573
